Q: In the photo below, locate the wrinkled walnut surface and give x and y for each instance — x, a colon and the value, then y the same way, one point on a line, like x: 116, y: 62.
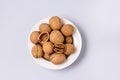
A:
x: 34, y: 37
x: 44, y: 27
x: 48, y: 47
x: 55, y: 23
x: 69, y: 39
x: 46, y: 56
x: 69, y: 49
x: 56, y: 37
x: 67, y: 30
x: 37, y: 51
x: 57, y: 58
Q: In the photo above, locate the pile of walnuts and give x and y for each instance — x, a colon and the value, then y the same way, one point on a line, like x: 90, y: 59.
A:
x: 53, y: 41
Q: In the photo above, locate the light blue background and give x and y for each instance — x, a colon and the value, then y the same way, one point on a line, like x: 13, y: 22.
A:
x: 97, y: 20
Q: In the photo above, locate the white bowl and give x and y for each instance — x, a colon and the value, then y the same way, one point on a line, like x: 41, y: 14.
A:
x: 77, y: 41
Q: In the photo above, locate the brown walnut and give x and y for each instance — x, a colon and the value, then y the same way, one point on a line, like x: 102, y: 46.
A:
x: 37, y: 51
x: 43, y: 37
x: 48, y: 48
x: 55, y: 23
x: 57, y: 58
x: 67, y: 30
x: 44, y: 27
x: 69, y: 49
x: 56, y: 37
x: 34, y: 37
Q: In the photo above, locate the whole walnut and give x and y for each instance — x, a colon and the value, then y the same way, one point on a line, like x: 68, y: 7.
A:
x: 55, y: 22
x: 44, y: 27
x: 69, y: 39
x: 69, y: 49
x: 57, y: 58
x: 48, y: 48
x: 67, y: 30
x: 46, y: 56
x: 34, y: 37
x: 37, y: 51
x: 56, y: 37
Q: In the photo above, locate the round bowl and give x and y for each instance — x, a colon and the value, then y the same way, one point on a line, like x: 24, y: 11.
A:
x: 77, y: 41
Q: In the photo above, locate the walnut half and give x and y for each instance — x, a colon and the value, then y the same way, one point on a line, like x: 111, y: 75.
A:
x: 43, y: 37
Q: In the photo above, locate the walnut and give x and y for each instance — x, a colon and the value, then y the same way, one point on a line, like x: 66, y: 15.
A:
x: 43, y: 37
x: 69, y: 39
x: 57, y: 58
x: 55, y: 22
x: 46, y: 56
x: 44, y: 27
x: 56, y: 37
x: 48, y: 48
x: 37, y: 51
x: 69, y: 49
x: 58, y: 50
x: 59, y: 47
x: 34, y: 37
x: 67, y: 30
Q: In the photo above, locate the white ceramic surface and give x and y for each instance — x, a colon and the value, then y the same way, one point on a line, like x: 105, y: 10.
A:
x: 77, y: 42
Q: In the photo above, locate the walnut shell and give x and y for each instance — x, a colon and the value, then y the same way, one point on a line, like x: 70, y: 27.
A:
x: 44, y: 27
x: 69, y: 49
x: 67, y: 30
x: 57, y: 58
x: 69, y: 39
x: 48, y: 48
x: 34, y: 37
x: 43, y: 37
x: 37, y: 51
x: 46, y: 56
x: 59, y: 45
x: 56, y: 37
x: 59, y: 50
x: 55, y: 22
